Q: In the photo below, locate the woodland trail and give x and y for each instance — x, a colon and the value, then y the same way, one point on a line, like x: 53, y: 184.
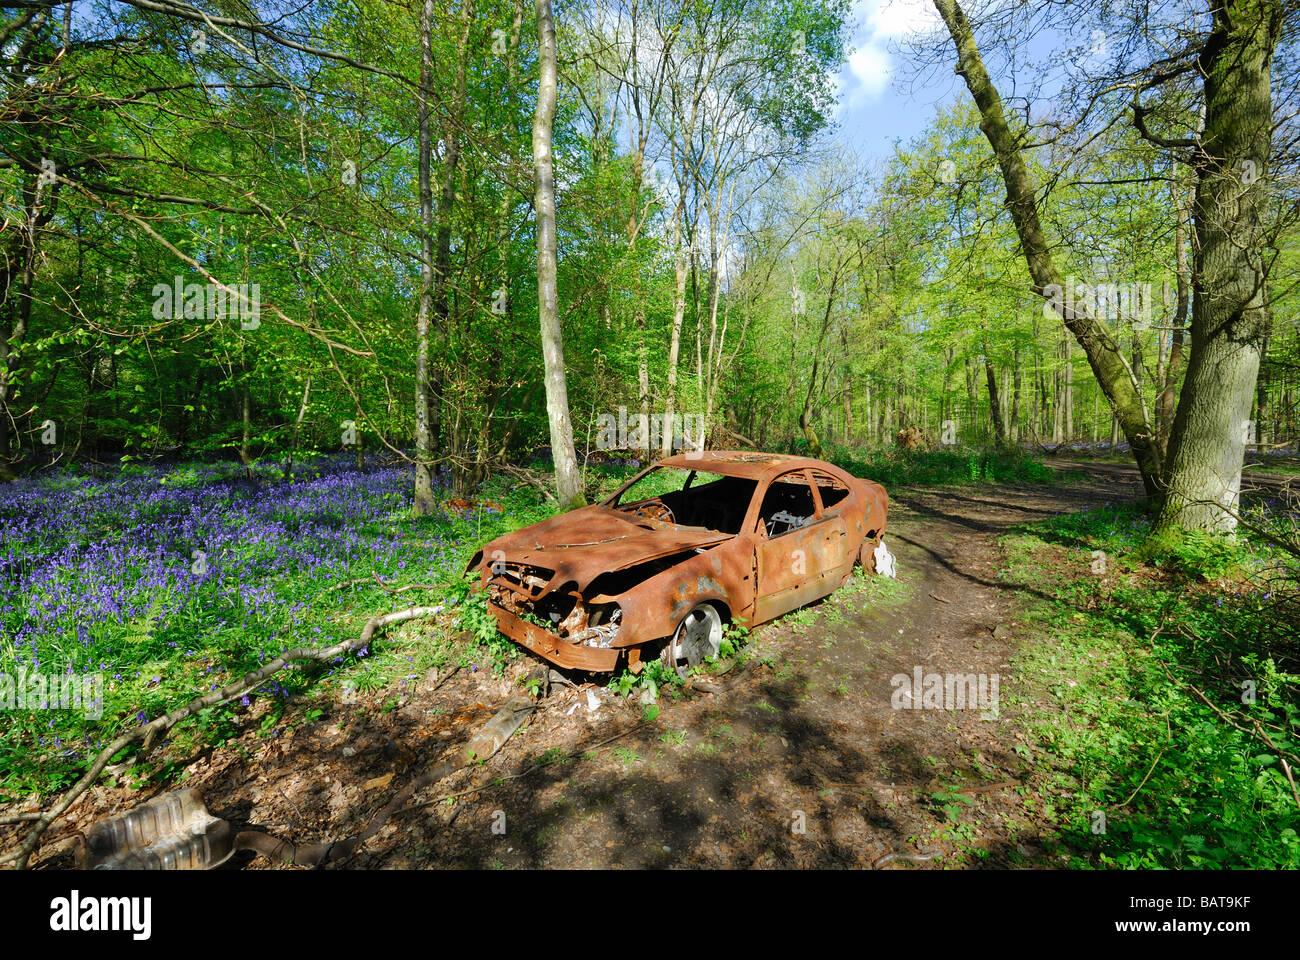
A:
x: 795, y: 758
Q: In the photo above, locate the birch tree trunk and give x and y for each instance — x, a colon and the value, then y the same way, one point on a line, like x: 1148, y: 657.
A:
x: 423, y: 502
x: 679, y: 313
x: 567, y: 482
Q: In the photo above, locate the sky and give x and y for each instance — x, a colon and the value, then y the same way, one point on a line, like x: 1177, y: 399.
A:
x: 878, y: 103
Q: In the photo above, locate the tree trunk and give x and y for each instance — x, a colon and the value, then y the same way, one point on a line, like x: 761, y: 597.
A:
x: 297, y: 430
x: 424, y: 440
x: 17, y: 277
x: 441, y: 306
x: 805, y: 415
x: 1229, y: 315
x: 1069, y: 389
x: 1015, y: 396
x: 1174, y: 365
x: 995, y: 409
x: 567, y: 482
x: 679, y: 314
x: 1263, y: 416
x: 246, y: 418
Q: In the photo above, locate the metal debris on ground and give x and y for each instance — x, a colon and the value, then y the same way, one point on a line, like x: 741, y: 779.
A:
x: 171, y: 832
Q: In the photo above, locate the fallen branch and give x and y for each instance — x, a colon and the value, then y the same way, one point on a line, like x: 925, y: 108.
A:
x: 529, y: 479
x: 379, y: 581
x: 1255, y: 730
x: 149, y: 731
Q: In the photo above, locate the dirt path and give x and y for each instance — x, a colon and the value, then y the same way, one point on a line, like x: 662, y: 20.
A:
x: 806, y: 739
x: 797, y: 758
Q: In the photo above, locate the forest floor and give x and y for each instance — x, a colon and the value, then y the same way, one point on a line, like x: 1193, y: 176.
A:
x: 796, y: 757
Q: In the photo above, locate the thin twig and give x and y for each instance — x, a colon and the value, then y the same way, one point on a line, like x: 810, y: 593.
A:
x: 1286, y: 768
x: 1145, y: 779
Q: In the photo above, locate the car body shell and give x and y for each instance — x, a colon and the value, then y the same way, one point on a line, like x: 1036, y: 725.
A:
x: 554, y: 586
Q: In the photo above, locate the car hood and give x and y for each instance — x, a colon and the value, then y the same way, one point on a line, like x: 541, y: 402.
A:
x: 582, y: 544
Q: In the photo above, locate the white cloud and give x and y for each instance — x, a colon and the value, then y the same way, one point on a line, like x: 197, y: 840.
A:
x: 871, y: 65
x: 899, y: 18
x: 871, y: 68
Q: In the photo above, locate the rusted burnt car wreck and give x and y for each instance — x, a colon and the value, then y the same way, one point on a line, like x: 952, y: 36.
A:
x: 688, y: 544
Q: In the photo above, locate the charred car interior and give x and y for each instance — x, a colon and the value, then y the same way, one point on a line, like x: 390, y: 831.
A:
x: 684, y: 547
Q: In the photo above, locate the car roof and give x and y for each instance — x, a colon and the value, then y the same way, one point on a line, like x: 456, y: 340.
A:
x: 745, y: 463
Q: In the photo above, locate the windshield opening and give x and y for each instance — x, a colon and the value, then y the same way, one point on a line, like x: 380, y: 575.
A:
x: 691, y: 498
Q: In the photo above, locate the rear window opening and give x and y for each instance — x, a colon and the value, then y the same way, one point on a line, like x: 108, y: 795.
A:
x: 832, y: 490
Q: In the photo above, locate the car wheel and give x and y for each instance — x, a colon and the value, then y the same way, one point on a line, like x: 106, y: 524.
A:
x: 698, y: 637
x: 867, y: 555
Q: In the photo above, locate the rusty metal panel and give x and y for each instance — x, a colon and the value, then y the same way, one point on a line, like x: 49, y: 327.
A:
x: 562, y: 654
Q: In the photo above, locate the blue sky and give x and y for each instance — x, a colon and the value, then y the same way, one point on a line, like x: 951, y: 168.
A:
x: 875, y: 108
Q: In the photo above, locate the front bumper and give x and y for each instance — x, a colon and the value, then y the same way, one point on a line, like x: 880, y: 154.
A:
x: 572, y: 656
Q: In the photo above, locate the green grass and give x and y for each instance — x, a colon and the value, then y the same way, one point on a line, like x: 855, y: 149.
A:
x: 1160, y: 674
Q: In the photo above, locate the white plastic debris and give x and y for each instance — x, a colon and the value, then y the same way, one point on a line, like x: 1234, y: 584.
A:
x: 593, y: 701
x: 884, y: 561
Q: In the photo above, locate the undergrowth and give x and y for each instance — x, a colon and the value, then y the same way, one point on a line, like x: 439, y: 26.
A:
x: 1175, y: 670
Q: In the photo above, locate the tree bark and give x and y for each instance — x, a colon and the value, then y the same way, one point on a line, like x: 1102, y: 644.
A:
x: 1229, y: 314
x: 423, y: 501
x: 679, y: 313
x: 1015, y: 396
x: 1174, y: 365
x: 567, y: 482
x: 441, y: 305
x: 995, y: 409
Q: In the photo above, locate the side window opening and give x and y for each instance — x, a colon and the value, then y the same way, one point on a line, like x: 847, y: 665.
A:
x: 787, y: 505
x: 832, y: 491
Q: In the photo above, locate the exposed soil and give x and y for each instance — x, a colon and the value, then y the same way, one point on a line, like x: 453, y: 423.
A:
x: 802, y: 734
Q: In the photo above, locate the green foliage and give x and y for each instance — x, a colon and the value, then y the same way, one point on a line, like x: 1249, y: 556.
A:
x: 1168, y: 688
x: 476, y: 619
x: 897, y: 466
x: 1193, y: 554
